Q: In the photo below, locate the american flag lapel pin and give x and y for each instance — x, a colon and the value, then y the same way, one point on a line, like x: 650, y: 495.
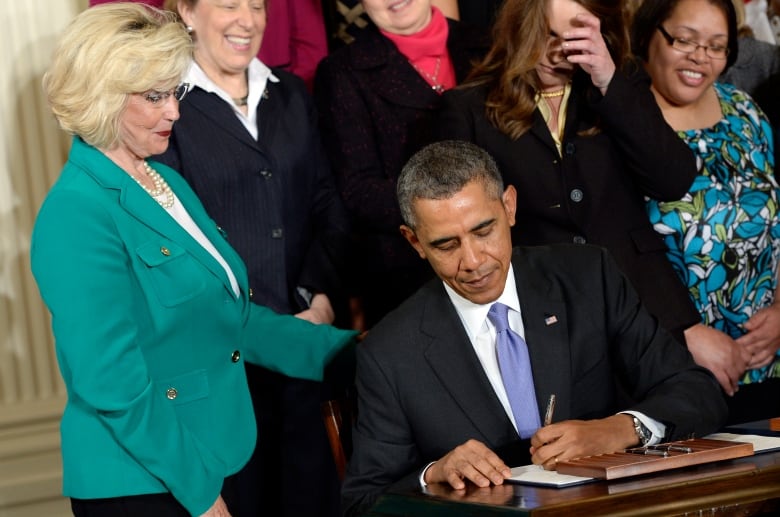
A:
x: 550, y: 320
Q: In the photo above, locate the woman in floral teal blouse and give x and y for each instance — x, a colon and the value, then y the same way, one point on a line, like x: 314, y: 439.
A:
x: 723, y: 235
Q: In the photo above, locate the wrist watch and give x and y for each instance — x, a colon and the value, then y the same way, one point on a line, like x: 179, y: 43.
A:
x: 643, y: 434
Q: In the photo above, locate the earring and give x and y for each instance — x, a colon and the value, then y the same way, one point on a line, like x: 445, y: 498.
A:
x: 189, y: 29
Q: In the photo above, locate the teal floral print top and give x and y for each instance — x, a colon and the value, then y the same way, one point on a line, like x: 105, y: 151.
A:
x: 724, y: 235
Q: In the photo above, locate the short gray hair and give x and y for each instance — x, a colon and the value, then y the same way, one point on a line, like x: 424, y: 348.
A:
x: 441, y: 170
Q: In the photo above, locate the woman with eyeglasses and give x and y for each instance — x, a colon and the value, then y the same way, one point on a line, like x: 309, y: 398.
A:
x: 149, y: 303
x: 571, y: 122
x: 723, y: 235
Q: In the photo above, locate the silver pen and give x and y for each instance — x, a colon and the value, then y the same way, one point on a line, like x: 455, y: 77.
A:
x: 548, y: 415
x: 648, y: 452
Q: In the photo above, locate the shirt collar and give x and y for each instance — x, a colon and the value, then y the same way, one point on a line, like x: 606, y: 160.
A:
x: 474, y: 315
x: 258, y: 74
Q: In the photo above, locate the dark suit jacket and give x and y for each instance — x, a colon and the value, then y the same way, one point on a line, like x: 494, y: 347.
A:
x: 422, y: 390
x: 768, y: 100
x: 756, y: 62
x: 594, y: 193
x: 376, y: 112
x: 274, y: 197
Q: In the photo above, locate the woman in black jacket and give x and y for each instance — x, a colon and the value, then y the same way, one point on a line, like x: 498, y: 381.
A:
x: 573, y: 126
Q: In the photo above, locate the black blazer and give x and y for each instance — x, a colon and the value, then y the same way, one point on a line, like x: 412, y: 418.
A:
x: 594, y: 192
x: 376, y: 111
x: 274, y: 197
x: 422, y: 390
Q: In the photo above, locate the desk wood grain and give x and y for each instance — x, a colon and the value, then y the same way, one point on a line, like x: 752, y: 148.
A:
x: 743, y: 486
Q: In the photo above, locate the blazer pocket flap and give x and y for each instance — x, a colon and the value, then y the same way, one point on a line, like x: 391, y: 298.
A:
x: 154, y: 254
x: 174, y: 274
x: 647, y: 240
x: 185, y: 388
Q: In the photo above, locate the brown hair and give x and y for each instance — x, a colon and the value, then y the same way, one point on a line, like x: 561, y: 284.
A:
x: 520, y: 36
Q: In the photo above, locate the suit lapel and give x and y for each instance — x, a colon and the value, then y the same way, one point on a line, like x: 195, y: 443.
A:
x: 389, y: 73
x: 216, y: 110
x: 540, y: 130
x: 574, y: 119
x: 136, y: 202
x: 545, y: 322
x: 141, y: 206
x: 450, y: 354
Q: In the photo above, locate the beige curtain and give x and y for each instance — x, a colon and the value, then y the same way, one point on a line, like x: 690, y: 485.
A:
x: 32, y: 150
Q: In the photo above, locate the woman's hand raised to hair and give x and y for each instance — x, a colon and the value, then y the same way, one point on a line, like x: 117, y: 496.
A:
x: 585, y: 46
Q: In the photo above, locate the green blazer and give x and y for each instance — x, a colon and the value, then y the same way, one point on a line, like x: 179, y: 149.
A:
x: 151, y: 338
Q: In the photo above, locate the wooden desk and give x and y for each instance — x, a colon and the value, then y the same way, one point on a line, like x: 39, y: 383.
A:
x: 744, y: 486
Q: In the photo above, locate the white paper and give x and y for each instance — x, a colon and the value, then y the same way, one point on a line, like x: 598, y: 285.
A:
x: 760, y: 443
x: 536, y: 475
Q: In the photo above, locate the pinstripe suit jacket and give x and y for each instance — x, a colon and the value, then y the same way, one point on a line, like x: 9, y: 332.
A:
x: 274, y: 196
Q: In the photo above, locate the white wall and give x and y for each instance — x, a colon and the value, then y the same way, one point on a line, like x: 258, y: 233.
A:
x: 32, y: 151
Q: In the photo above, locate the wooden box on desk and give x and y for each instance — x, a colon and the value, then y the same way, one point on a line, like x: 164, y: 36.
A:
x: 623, y: 464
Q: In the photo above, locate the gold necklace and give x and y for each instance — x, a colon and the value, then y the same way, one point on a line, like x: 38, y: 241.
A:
x: 161, y: 192
x: 551, y: 95
x: 436, y: 86
x: 241, y: 101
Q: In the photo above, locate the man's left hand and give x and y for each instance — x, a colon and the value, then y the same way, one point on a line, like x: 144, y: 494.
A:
x: 472, y: 461
x: 576, y: 438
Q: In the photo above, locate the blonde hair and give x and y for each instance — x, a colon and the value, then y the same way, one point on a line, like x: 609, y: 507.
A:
x: 107, y: 53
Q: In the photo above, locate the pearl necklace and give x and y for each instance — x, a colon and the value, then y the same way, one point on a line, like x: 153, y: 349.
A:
x: 161, y: 188
x: 436, y: 86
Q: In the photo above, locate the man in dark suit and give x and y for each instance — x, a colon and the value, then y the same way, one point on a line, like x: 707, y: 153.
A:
x: 432, y: 404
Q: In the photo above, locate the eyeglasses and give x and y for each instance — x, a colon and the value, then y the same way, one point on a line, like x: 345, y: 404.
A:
x: 689, y: 47
x: 158, y: 98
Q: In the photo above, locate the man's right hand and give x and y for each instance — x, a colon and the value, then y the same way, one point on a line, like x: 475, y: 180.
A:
x: 472, y: 461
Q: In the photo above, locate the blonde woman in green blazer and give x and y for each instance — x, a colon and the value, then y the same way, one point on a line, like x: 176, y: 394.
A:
x: 150, y: 306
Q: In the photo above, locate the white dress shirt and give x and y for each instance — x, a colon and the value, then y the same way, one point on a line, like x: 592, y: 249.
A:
x: 180, y: 214
x: 258, y: 76
x: 482, y: 334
